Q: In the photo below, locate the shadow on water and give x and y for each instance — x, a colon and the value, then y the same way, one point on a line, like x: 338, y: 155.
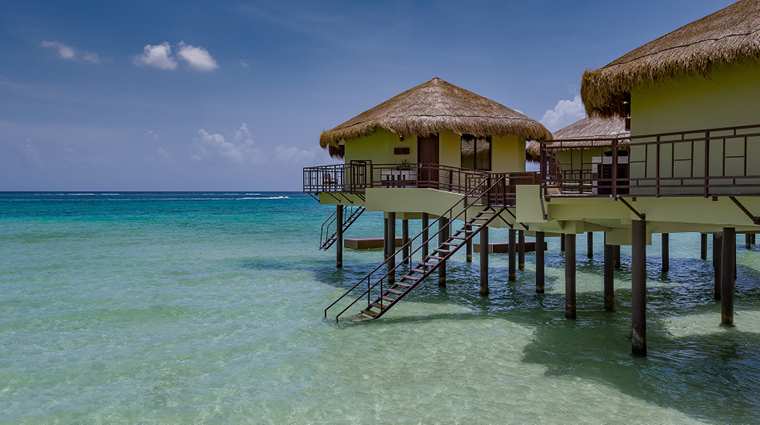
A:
x: 711, y: 374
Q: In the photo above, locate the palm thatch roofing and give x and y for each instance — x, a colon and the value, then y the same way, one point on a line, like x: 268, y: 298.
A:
x: 594, y: 131
x: 433, y: 107
x: 730, y: 35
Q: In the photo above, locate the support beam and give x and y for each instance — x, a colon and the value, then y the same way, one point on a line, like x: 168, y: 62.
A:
x: 391, y: 245
x: 748, y: 241
x: 512, y: 254
x: 443, y: 236
x: 385, y: 239
x: 703, y: 246
x: 468, y: 247
x: 339, y: 234
x: 609, y: 275
x: 521, y: 250
x: 727, y: 278
x: 665, y: 252
x: 570, y: 276
x: 639, y: 287
x: 616, y: 256
x: 405, y: 239
x: 717, y: 261
x: 562, y: 243
x: 590, y: 244
x: 425, y: 234
x: 540, y: 253
x: 484, y: 261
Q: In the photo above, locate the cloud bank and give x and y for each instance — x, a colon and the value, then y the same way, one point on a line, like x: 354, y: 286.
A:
x: 157, y: 56
x: 565, y: 113
x: 197, y: 58
x: 214, y: 147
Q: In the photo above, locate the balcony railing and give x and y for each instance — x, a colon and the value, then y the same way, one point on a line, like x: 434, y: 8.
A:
x: 357, y: 176
x: 712, y: 162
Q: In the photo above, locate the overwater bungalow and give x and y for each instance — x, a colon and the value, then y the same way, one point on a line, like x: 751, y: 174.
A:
x: 690, y: 164
x: 435, y: 152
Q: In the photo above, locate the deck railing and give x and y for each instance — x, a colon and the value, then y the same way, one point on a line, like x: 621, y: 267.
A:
x: 356, y: 176
x: 711, y: 162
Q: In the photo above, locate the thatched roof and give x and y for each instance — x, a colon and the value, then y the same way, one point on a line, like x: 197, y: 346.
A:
x: 731, y: 35
x: 433, y: 107
x: 592, y: 131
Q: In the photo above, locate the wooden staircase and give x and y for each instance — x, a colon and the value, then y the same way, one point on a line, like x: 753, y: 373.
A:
x: 347, y: 222
x: 387, y: 294
x: 397, y: 290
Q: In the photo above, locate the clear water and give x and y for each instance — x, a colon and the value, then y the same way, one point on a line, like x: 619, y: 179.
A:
x: 193, y: 308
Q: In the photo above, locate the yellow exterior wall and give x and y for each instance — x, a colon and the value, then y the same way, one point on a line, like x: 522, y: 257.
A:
x: 731, y: 97
x: 507, y: 154
x: 450, y: 149
x: 378, y: 147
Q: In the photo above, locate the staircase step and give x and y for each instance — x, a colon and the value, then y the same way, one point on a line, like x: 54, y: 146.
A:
x: 419, y: 271
x: 395, y: 291
x: 446, y: 251
x: 369, y: 312
x: 388, y: 298
x: 429, y: 264
x: 407, y: 277
x: 379, y: 306
x: 451, y: 244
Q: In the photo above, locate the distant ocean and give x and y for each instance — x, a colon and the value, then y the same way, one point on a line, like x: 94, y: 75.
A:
x: 208, y: 308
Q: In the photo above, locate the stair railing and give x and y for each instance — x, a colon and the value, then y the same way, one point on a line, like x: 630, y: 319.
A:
x: 500, y: 183
x: 324, y: 232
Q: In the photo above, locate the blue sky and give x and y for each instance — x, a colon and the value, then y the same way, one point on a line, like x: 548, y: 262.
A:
x: 190, y: 95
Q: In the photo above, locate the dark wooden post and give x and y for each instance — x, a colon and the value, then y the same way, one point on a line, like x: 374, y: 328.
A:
x: 405, y: 239
x: 425, y: 235
x: 339, y: 234
x: 443, y: 236
x: 639, y: 287
x: 484, y: 261
x: 521, y: 250
x: 609, y: 275
x: 616, y: 256
x: 512, y: 254
x: 727, y: 278
x: 703, y: 245
x: 562, y: 243
x: 590, y: 245
x: 391, y: 245
x: 717, y: 261
x: 569, y: 275
x: 468, y: 247
x: 665, y: 252
x: 540, y: 277
x: 386, y: 244
x: 748, y: 241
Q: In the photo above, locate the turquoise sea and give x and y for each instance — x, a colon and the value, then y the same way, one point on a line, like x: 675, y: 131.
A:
x: 208, y: 308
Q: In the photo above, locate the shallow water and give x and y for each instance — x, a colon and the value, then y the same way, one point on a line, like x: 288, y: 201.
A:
x: 192, y: 307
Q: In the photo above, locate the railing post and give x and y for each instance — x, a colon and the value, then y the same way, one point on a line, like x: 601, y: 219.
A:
x: 707, y: 164
x: 613, y: 174
x: 542, y: 165
x: 657, y: 165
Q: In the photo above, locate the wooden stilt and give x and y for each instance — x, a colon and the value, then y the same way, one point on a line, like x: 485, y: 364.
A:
x: 562, y: 244
x: 609, y: 276
x: 391, y: 246
x: 639, y: 287
x: 727, y: 278
x: 386, y: 244
x: 703, y: 245
x: 484, y: 261
x: 570, y: 276
x: 443, y: 227
x: 540, y: 253
x: 748, y: 241
x: 665, y: 252
x: 616, y: 256
x: 512, y: 254
x: 339, y: 234
x: 590, y: 244
x: 405, y: 239
x: 468, y: 247
x: 521, y: 250
x: 717, y: 261
x: 425, y: 235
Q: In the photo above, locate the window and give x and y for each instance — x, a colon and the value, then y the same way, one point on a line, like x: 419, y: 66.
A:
x: 476, y: 152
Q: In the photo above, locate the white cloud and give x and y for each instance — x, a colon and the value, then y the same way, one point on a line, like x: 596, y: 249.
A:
x: 294, y: 155
x: 244, y: 64
x: 565, y: 113
x: 151, y: 135
x: 197, y: 58
x: 70, y: 53
x: 158, y: 56
x: 214, y: 146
